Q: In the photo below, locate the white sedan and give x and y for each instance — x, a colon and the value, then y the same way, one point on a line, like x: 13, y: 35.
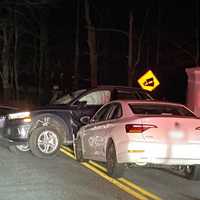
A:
x: 141, y: 132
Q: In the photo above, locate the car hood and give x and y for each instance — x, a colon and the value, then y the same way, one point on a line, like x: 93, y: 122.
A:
x: 52, y: 107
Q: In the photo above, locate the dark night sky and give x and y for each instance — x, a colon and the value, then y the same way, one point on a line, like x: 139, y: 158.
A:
x: 177, y: 32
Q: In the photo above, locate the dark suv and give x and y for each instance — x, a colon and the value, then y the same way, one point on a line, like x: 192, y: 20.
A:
x: 44, y: 129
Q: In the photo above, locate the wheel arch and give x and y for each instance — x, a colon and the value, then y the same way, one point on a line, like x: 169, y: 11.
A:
x: 58, y: 121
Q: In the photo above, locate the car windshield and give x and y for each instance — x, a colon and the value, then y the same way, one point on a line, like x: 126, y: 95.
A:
x: 133, y: 94
x: 68, y: 97
x: 161, y: 109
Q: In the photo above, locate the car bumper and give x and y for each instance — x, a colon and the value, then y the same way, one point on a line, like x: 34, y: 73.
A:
x: 143, y: 153
x: 15, y: 135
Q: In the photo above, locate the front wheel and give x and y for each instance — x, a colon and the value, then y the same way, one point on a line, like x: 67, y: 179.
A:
x: 45, y: 141
x: 114, y: 168
x: 19, y: 148
x: 23, y: 147
x: 192, y: 172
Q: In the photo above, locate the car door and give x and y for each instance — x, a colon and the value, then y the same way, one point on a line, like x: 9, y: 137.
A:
x: 94, y: 137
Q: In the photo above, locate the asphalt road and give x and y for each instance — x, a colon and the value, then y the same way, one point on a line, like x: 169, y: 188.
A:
x: 24, y: 176
x: 165, y: 183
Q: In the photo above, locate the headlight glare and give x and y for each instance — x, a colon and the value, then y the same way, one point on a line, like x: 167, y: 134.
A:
x: 19, y: 115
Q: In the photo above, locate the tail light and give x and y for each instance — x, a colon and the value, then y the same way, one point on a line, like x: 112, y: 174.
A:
x: 138, y: 128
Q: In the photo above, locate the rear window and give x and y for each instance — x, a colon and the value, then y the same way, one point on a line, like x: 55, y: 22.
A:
x: 165, y: 110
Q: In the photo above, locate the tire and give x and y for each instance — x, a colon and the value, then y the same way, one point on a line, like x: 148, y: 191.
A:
x: 45, y: 141
x: 193, y: 172
x: 114, y: 168
x: 23, y: 148
x: 78, y: 150
x: 19, y: 148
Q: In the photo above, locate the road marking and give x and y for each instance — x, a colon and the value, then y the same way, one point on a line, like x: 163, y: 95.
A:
x: 122, y: 183
x: 139, y: 189
x: 68, y: 153
x: 135, y: 151
x: 68, y: 149
x: 112, y: 180
x: 127, y: 182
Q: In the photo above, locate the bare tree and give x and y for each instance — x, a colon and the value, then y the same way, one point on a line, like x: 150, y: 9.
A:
x: 16, y: 57
x: 197, y: 33
x: 42, y: 53
x: 130, y: 51
x: 32, y: 27
x: 76, y: 62
x: 158, y: 37
x: 131, y: 70
x: 9, y: 40
x: 5, y: 61
x: 92, y: 47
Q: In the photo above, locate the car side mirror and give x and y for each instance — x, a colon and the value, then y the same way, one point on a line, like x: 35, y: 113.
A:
x: 85, y: 119
x: 81, y: 104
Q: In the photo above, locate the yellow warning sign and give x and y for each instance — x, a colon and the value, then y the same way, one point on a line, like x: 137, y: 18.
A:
x: 148, y: 81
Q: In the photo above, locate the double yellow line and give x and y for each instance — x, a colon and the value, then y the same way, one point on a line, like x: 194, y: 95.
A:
x: 124, y: 184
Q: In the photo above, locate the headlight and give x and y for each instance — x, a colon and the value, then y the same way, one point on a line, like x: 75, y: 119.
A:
x: 19, y: 115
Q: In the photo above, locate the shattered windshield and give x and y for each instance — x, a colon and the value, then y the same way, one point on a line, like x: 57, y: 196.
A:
x: 68, y: 97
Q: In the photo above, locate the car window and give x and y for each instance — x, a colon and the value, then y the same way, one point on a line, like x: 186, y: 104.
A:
x: 158, y: 109
x: 97, y: 97
x: 102, y: 114
x: 116, y: 111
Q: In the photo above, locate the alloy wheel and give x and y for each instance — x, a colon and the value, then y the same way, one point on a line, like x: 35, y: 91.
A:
x: 47, y: 142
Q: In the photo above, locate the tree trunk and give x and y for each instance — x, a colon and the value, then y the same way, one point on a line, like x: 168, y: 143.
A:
x: 5, y: 64
x: 16, y: 59
x: 92, y: 47
x: 197, y: 33
x: 158, y: 37
x: 76, y: 74
x: 130, y: 52
x: 42, y: 56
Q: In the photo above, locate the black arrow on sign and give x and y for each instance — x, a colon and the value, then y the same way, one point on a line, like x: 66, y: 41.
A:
x: 149, y: 82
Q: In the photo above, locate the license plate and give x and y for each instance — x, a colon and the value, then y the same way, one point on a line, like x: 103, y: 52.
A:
x: 176, y: 134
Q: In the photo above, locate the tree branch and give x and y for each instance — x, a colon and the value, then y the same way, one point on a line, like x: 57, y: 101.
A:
x: 184, y: 50
x: 107, y: 29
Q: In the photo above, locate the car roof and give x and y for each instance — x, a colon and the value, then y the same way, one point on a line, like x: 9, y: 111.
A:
x: 117, y: 87
x: 149, y: 102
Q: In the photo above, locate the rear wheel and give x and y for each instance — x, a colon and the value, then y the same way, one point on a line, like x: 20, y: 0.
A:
x: 45, y: 142
x: 114, y: 168
x: 192, y: 172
